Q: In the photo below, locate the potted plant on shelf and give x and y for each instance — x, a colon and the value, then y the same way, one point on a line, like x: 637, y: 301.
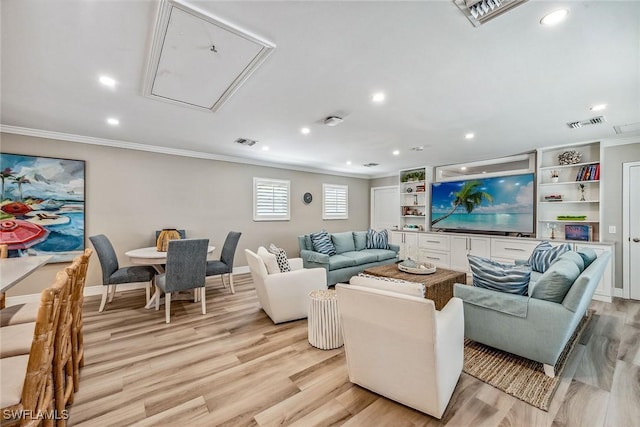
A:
x: 555, y: 176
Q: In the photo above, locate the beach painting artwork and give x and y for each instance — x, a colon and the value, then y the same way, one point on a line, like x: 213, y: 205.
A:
x: 42, y: 206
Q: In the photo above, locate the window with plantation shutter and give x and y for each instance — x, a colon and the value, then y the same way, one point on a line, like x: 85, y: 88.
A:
x: 270, y: 199
x: 335, y: 201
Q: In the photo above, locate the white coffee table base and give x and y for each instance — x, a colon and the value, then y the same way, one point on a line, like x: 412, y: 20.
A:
x: 325, y: 330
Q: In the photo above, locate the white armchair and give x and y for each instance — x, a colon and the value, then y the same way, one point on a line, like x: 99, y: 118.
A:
x: 401, y: 347
x: 285, y: 296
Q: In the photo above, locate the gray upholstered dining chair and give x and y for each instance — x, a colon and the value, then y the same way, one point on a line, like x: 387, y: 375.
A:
x: 186, y: 268
x: 225, y: 264
x: 113, y: 275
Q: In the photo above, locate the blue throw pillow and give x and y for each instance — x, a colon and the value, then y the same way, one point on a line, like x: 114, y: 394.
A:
x: 507, y: 278
x: 322, y: 243
x: 554, y: 284
x: 377, y: 239
x: 544, y: 254
x: 588, y: 256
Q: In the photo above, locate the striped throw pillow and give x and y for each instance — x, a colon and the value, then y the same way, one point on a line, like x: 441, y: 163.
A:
x: 322, y: 243
x: 377, y: 239
x: 544, y: 255
x: 508, y: 278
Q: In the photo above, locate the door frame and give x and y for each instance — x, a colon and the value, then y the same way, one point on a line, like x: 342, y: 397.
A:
x: 626, y: 225
x: 372, y: 201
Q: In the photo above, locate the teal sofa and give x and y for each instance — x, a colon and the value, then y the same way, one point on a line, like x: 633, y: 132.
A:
x: 351, y: 256
x: 527, y: 325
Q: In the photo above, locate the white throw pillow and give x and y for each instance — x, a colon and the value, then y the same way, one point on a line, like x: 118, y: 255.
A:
x: 269, y: 259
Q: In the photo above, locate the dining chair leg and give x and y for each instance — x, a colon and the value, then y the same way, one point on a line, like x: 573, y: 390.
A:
x: 147, y: 291
x: 203, y: 299
x: 157, y: 298
x: 233, y: 291
x: 167, y: 307
x: 113, y: 292
x: 105, y: 294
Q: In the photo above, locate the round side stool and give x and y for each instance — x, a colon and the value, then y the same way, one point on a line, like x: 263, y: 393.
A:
x: 325, y: 329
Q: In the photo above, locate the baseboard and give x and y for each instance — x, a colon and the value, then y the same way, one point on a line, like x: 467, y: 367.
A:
x: 620, y: 293
x: 97, y: 290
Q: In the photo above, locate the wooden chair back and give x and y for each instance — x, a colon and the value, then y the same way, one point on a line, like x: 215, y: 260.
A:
x: 77, y: 301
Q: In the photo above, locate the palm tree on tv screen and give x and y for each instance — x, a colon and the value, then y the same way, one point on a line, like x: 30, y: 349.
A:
x: 469, y: 196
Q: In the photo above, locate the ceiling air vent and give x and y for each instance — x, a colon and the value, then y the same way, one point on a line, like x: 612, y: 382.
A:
x: 246, y: 141
x: 481, y: 11
x: 592, y: 121
x: 630, y: 128
x: 371, y: 165
x: 418, y: 148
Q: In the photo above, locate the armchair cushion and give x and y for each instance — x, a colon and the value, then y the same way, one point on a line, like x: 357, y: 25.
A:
x: 514, y: 305
x: 322, y: 243
x: 554, y: 284
x: 340, y: 261
x: 343, y: 242
x: 281, y: 258
x: 574, y: 257
x: 544, y: 254
x: 270, y: 261
x: 361, y: 257
x: 507, y: 278
x: 383, y: 254
x: 588, y: 256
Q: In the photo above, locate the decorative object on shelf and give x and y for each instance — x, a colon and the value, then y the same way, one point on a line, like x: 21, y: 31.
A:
x: 581, y: 187
x: 578, y: 232
x: 570, y: 157
x: 571, y: 217
x: 307, y: 198
x: 167, y: 234
x: 555, y: 176
x: 552, y: 226
x: 553, y: 198
x: 415, y: 199
x: 409, y: 190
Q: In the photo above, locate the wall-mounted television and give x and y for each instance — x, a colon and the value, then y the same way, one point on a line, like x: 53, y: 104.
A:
x: 501, y: 204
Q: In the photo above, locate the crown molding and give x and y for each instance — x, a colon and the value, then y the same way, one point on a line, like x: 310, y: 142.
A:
x: 39, y: 133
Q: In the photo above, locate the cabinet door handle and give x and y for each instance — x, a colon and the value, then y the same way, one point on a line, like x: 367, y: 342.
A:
x: 433, y: 257
x: 635, y: 239
x: 514, y: 249
x: 433, y: 241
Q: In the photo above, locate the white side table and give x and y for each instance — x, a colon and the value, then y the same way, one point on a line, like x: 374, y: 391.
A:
x: 325, y: 329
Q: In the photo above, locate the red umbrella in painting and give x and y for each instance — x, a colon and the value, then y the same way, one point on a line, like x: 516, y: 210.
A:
x: 18, y: 234
x: 16, y: 208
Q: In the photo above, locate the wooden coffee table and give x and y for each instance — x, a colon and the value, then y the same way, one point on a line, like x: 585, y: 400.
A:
x: 439, y: 285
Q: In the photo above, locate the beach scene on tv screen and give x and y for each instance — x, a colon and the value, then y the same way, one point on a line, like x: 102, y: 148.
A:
x: 500, y: 204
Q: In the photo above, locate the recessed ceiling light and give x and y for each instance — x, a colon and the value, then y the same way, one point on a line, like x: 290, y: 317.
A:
x: 348, y: 162
x: 598, y: 107
x: 107, y: 81
x: 305, y: 131
x: 469, y: 135
x: 378, y: 97
x: 555, y: 17
x: 113, y: 121
x: 396, y: 152
x: 265, y: 148
x: 463, y: 168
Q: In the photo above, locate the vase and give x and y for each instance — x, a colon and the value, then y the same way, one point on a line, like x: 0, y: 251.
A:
x: 554, y: 179
x: 167, y: 234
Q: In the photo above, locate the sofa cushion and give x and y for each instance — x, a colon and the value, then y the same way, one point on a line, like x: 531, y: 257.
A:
x: 361, y: 257
x: 588, y: 255
x: 574, y: 257
x: 382, y: 254
x: 377, y: 239
x: 554, y: 284
x: 343, y: 242
x: 281, y: 258
x: 270, y: 261
x: 507, y: 278
x: 322, y: 243
x: 389, y: 284
x: 340, y: 261
x: 544, y: 254
x: 360, y: 240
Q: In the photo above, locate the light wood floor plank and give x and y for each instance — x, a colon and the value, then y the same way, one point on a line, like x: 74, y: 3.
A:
x: 234, y: 367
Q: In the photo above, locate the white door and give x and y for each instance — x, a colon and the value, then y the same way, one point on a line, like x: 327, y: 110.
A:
x: 385, y: 211
x: 631, y: 236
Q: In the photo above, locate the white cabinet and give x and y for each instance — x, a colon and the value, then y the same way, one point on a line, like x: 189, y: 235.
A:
x: 569, y: 194
x: 461, y: 246
x: 509, y: 250
x: 408, y: 243
x: 605, y: 287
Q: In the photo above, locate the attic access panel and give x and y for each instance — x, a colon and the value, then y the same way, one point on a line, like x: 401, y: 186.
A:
x: 198, y: 60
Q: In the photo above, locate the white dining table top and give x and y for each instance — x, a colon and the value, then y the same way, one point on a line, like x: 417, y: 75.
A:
x: 13, y: 270
x: 151, y: 255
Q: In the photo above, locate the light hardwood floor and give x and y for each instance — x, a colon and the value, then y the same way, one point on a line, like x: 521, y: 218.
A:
x: 234, y: 367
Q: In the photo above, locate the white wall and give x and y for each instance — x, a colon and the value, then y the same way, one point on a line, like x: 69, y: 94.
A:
x: 130, y: 194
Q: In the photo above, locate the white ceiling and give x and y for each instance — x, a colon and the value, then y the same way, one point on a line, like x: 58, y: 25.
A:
x: 512, y: 82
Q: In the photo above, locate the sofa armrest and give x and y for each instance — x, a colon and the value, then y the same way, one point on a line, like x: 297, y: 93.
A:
x: 316, y: 257
x: 295, y: 263
x: 395, y: 248
x: 514, y: 305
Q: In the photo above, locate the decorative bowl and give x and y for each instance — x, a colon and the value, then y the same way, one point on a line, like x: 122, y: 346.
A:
x: 570, y: 157
x: 421, y: 268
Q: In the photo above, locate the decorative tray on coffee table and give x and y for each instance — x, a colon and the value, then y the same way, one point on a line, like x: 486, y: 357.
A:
x: 413, y: 267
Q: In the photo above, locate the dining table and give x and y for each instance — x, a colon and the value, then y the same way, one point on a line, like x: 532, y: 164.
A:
x: 13, y: 270
x: 157, y: 259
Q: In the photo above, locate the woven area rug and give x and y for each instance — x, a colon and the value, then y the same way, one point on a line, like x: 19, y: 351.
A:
x: 517, y: 376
